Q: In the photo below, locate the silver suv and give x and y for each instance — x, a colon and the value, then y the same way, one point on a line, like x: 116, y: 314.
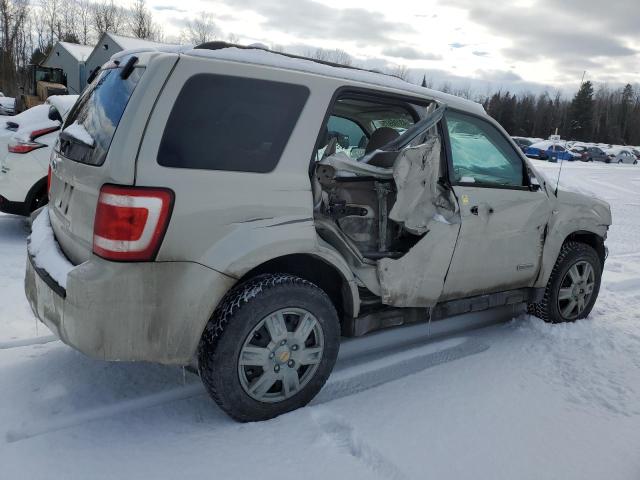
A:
x: 244, y: 209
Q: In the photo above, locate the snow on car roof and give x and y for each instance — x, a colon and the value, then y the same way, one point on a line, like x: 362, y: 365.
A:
x: 617, y: 149
x: 261, y: 56
x: 63, y: 103
x: 33, y: 115
x: 546, y: 144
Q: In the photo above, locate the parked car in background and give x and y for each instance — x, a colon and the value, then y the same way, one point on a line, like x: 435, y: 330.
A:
x: 591, y: 154
x: 548, y: 150
x: 25, y: 153
x: 522, y: 142
x: 621, y: 155
x: 199, y: 210
x: 7, y: 105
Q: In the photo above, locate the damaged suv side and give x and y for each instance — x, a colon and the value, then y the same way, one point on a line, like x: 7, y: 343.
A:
x: 269, y: 204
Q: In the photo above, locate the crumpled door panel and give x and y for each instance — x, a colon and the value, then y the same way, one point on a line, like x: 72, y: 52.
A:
x: 423, y: 207
x: 417, y: 278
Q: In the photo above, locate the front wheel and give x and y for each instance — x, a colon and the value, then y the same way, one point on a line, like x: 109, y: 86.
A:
x: 573, y: 286
x: 269, y: 347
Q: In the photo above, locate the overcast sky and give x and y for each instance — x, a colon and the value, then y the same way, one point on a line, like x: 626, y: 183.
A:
x: 515, y: 44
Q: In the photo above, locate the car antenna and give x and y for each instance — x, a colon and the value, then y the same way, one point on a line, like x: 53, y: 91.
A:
x: 555, y: 141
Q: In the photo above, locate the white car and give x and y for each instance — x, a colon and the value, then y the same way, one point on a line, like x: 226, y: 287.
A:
x: 26, y: 141
x: 621, y: 155
x: 7, y: 105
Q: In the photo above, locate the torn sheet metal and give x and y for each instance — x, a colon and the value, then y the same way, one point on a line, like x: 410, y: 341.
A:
x: 420, y: 198
x: 423, y: 206
x: 417, y: 278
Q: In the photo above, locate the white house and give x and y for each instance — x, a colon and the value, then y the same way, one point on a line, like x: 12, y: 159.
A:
x: 109, y: 44
x: 70, y: 57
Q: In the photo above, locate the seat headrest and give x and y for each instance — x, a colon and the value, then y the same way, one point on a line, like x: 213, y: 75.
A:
x: 380, y: 137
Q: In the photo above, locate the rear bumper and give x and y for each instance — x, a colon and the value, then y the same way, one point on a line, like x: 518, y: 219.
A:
x: 128, y: 311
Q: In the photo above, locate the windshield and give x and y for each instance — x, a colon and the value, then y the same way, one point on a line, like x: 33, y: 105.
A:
x: 91, y: 124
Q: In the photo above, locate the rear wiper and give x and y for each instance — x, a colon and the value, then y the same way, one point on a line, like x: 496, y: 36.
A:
x: 66, y: 137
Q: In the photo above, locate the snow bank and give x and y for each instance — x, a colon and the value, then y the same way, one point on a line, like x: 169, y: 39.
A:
x: 77, y: 131
x: 45, y: 251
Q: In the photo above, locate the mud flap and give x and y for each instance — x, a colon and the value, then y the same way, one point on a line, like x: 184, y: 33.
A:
x: 423, y: 207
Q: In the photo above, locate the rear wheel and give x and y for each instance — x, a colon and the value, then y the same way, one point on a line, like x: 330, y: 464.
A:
x: 40, y: 199
x: 269, y: 347
x: 573, y: 287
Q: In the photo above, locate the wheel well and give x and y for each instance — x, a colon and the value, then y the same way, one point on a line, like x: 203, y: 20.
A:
x: 39, y: 187
x: 589, y: 238
x: 315, y: 270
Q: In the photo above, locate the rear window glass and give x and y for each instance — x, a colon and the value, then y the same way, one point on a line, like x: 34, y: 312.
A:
x: 229, y: 123
x: 92, y: 122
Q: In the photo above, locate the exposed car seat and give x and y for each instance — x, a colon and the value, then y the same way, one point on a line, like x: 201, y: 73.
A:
x: 379, y: 138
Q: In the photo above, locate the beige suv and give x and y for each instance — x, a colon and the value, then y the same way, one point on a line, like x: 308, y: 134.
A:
x: 244, y: 209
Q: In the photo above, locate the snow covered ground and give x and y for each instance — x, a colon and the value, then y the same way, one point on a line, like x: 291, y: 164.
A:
x: 515, y: 400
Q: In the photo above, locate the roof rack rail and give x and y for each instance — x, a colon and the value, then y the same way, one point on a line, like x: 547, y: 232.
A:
x: 219, y: 45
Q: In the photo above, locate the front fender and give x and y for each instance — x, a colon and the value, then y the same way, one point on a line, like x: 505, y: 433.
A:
x: 572, y: 213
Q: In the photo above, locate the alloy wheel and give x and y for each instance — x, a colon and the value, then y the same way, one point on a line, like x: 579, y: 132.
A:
x: 576, y: 289
x: 280, y: 355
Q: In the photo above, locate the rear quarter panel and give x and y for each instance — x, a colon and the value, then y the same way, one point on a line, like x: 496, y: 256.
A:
x: 234, y: 221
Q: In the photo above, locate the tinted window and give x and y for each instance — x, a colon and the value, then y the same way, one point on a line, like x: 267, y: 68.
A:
x: 97, y: 114
x: 231, y: 123
x: 481, y: 154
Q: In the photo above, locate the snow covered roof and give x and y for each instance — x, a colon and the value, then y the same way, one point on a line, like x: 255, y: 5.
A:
x: 131, y: 43
x: 259, y: 56
x: 77, y: 51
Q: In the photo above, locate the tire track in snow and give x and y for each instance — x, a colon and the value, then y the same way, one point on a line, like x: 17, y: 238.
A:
x: 125, y: 406
x: 343, y: 382
x: 346, y: 383
x: 26, y: 342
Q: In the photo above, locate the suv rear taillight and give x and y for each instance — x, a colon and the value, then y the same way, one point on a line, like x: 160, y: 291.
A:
x: 131, y: 222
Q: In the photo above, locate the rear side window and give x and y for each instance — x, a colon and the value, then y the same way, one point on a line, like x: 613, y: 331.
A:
x: 92, y: 122
x: 229, y: 123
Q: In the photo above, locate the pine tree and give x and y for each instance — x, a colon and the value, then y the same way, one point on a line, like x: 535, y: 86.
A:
x: 424, y: 80
x: 581, y: 113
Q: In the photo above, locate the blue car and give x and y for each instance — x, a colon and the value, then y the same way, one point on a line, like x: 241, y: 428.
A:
x: 548, y: 151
